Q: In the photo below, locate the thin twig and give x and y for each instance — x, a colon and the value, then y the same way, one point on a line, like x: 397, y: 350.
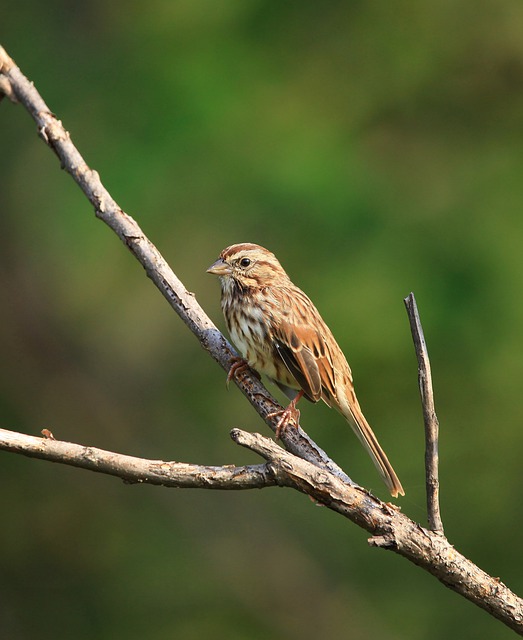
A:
x: 429, y: 416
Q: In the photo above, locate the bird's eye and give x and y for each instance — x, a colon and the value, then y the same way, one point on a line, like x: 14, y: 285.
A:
x: 245, y: 262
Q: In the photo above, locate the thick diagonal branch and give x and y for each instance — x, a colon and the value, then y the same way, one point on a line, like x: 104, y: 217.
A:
x: 393, y: 531
x: 19, y: 89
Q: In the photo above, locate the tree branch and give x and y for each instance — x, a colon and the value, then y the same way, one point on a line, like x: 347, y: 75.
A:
x: 390, y: 529
x: 19, y: 89
x: 138, y: 470
x: 429, y: 416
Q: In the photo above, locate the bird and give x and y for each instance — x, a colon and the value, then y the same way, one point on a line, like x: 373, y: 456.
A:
x: 280, y: 333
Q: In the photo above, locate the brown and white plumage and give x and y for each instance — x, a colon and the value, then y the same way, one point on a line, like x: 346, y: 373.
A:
x: 281, y: 334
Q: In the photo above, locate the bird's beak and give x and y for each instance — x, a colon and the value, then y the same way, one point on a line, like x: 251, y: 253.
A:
x: 220, y: 268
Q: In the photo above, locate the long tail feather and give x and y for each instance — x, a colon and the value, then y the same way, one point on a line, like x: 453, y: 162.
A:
x: 355, y: 417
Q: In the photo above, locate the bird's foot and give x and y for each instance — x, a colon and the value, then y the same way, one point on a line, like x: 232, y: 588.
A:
x: 239, y: 365
x: 290, y: 414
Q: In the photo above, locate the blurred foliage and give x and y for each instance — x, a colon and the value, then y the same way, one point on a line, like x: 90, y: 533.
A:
x: 376, y: 148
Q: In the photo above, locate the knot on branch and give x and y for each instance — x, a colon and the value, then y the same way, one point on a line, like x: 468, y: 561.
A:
x: 387, y: 541
x: 52, y: 131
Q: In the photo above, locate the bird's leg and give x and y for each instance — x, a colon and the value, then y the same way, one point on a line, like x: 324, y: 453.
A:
x: 286, y: 415
x: 239, y: 365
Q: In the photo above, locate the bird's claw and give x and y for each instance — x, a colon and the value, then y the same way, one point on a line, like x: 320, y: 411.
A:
x: 290, y: 414
x: 239, y: 365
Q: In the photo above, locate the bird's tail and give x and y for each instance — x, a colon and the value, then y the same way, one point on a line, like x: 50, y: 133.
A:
x: 352, y: 412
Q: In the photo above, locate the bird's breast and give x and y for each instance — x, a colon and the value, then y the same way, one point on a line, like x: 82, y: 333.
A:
x: 250, y: 330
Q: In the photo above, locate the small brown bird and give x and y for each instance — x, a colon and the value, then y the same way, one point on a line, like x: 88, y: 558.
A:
x: 281, y: 334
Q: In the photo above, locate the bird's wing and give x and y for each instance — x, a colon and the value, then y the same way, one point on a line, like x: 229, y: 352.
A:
x: 303, y: 347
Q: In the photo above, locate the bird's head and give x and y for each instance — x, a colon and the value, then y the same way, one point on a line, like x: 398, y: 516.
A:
x: 248, y: 266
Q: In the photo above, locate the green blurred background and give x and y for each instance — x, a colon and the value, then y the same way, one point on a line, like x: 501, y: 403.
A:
x: 376, y: 148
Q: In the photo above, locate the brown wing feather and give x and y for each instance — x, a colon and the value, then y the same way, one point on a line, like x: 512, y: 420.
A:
x: 299, y: 361
x: 301, y: 340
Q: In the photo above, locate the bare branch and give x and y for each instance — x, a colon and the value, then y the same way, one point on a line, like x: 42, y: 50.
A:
x: 390, y: 529
x: 138, y: 470
x: 393, y: 531
x: 429, y: 416
x: 182, y: 301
